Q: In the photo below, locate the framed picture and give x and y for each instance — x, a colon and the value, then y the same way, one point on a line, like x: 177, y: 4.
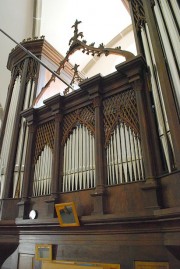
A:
x: 67, y: 214
x: 43, y: 252
x: 151, y: 265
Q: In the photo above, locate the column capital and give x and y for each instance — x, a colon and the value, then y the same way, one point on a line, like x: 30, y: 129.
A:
x: 97, y: 101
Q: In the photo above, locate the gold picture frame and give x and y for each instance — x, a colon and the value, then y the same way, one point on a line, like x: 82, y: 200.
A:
x: 43, y: 252
x: 57, y: 264
x: 151, y: 265
x: 67, y: 214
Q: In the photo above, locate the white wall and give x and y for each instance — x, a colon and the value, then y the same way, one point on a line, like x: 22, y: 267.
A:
x: 16, y: 18
x: 98, y: 24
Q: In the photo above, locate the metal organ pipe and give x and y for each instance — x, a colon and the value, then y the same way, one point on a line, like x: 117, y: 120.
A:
x: 84, y: 164
x: 171, y: 26
x: 18, y: 173
x: 175, y: 7
x: 80, y: 153
x: 22, y: 142
x: 168, y: 50
x: 163, y: 125
x: 115, y: 158
x: 42, y: 173
x: 124, y: 160
x: 156, y: 77
x: 8, y: 133
x: 79, y: 160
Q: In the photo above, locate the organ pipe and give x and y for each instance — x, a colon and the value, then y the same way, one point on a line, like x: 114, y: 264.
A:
x: 42, y: 173
x: 78, y: 169
x: 163, y: 125
x: 168, y: 50
x: 8, y: 132
x: 124, y: 159
x: 22, y: 142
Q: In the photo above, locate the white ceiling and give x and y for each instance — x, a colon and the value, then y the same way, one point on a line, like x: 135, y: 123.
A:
x: 102, y: 20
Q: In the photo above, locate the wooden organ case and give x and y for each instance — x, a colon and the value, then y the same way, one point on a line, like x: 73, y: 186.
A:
x: 99, y: 148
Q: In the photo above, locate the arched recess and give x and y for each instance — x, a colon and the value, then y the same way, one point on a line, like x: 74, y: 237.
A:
x: 124, y: 158
x: 79, y: 160
x: 78, y: 144
x: 122, y: 139
x: 43, y: 159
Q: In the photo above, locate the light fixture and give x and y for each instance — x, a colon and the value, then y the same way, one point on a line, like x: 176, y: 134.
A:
x: 33, y: 214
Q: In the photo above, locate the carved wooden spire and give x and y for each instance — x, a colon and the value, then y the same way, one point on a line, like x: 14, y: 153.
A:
x: 76, y: 44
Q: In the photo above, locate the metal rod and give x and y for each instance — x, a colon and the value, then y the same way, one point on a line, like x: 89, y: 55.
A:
x: 37, y: 59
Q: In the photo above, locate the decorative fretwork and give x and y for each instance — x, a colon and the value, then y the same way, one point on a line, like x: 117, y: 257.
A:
x: 32, y: 70
x: 76, y: 44
x: 76, y: 78
x: 18, y: 69
x: 83, y: 116
x: 120, y: 108
x: 139, y: 15
x: 31, y: 39
x: 44, y: 136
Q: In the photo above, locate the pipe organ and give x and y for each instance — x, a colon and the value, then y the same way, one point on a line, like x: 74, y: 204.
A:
x: 78, y: 166
x: 21, y: 95
x: 123, y: 152
x: 167, y: 23
x: 111, y: 147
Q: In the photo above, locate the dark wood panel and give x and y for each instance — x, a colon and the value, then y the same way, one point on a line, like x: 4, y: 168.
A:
x: 169, y: 191
x: 125, y: 198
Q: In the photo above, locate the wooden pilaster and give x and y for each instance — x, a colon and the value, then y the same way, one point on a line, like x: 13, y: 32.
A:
x: 94, y: 89
x: 138, y: 46
x: 55, y: 104
x: 136, y: 79
x: 28, y: 170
